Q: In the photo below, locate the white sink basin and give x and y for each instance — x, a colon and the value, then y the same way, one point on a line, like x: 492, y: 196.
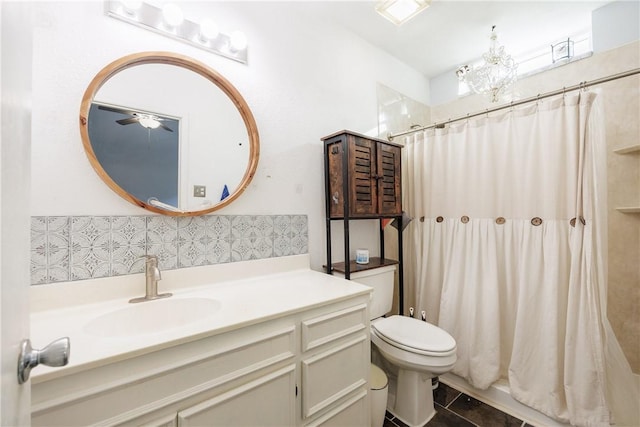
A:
x: 152, y: 317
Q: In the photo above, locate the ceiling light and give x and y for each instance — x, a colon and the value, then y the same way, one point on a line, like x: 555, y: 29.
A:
x: 495, y: 75
x: 400, y: 11
x: 148, y: 121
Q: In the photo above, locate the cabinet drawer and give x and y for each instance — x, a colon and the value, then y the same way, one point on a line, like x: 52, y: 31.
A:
x: 334, y: 374
x: 353, y: 412
x: 323, y: 329
x: 266, y: 401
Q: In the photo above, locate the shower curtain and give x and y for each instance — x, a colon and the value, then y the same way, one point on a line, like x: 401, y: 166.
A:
x: 508, y: 254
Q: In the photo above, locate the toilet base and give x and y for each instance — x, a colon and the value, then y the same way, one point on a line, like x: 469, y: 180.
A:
x: 413, y: 403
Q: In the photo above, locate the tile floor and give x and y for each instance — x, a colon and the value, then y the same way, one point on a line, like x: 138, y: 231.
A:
x: 456, y: 409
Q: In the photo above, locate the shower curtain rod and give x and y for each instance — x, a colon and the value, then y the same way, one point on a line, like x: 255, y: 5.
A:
x: 580, y: 85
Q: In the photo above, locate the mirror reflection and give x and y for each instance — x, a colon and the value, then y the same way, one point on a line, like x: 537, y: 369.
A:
x: 169, y: 134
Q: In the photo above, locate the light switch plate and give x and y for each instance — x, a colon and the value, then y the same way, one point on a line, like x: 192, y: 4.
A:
x: 199, y: 191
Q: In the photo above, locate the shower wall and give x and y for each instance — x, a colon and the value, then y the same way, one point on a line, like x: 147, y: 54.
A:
x: 622, y: 109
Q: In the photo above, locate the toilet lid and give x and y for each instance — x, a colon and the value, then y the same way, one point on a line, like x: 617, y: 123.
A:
x: 414, y: 335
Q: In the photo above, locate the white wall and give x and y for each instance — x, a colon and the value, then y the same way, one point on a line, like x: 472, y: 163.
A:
x: 304, y: 80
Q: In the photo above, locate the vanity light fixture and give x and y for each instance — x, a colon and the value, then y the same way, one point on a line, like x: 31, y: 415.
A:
x: 400, y: 11
x: 170, y: 21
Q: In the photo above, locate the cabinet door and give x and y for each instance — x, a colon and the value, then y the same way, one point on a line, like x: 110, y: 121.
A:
x: 363, y: 194
x: 267, y: 401
x: 388, y: 176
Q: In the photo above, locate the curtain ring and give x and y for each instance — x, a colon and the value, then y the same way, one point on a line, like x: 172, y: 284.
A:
x: 536, y: 221
x: 439, y: 219
x: 421, y: 219
x: 464, y: 219
x: 572, y: 222
x: 500, y: 220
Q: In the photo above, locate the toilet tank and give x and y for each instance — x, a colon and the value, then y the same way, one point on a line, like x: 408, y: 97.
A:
x: 382, y: 281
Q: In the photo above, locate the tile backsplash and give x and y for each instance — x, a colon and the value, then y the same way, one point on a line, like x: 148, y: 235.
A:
x: 67, y: 248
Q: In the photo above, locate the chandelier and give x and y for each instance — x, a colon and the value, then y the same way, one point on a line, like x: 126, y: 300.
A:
x: 495, y: 75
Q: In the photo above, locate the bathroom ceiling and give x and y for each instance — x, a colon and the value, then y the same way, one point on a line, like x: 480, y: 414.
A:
x: 451, y: 33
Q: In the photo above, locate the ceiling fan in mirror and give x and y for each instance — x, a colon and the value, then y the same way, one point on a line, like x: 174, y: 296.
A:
x: 146, y: 120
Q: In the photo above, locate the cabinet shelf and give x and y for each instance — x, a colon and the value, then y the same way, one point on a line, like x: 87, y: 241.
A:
x: 628, y: 149
x: 374, y: 262
x: 629, y: 209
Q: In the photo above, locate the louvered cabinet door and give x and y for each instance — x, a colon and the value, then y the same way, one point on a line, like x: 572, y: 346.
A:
x: 363, y: 194
x: 388, y: 176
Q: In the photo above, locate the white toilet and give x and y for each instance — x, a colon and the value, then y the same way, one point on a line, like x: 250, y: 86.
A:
x: 415, y: 350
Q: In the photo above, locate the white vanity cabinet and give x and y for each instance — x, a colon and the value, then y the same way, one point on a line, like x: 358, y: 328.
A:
x: 301, y: 367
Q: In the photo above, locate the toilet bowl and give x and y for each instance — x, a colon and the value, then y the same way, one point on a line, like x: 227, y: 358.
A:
x: 420, y: 351
x: 416, y: 350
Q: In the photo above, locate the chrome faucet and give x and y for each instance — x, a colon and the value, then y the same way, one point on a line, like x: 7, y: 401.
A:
x: 152, y: 275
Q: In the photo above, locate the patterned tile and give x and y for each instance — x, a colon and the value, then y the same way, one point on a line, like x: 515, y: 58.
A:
x: 90, y: 262
x: 299, y: 226
x: 241, y: 227
x: 220, y: 252
x: 127, y: 259
x: 39, y: 234
x: 85, y: 247
x: 219, y: 227
x: 241, y: 250
x: 167, y: 254
x: 281, y: 246
x: 90, y: 231
x: 282, y: 225
x: 162, y: 229
x: 299, y: 245
x: 38, y: 273
x: 128, y: 231
x: 191, y: 254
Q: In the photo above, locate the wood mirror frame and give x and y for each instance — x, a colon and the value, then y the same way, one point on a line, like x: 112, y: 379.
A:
x: 190, y: 64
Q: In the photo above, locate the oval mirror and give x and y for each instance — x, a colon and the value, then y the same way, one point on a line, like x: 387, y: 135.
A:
x: 169, y: 134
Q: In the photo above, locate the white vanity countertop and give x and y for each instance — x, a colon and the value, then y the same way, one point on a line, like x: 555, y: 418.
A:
x: 243, y: 302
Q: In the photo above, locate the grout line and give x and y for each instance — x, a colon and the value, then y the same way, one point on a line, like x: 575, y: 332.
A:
x: 460, y: 416
x: 454, y: 399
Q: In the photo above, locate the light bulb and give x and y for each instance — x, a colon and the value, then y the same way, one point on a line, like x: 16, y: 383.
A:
x: 238, y: 40
x: 208, y: 29
x: 131, y: 6
x: 172, y: 15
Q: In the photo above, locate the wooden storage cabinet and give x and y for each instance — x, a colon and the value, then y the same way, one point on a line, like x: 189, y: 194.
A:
x: 364, y: 170
x: 363, y: 180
